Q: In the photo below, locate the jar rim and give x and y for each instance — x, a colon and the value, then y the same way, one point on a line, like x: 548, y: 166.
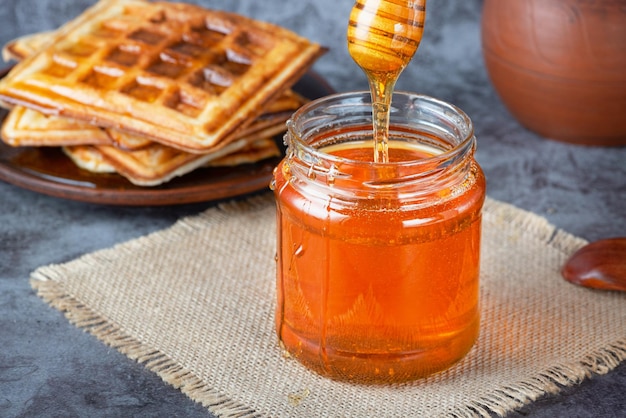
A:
x: 459, y: 149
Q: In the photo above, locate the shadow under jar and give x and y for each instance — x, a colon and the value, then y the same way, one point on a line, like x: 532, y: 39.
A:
x: 378, y: 263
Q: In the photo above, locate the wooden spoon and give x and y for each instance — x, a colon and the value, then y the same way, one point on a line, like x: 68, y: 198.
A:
x: 599, y: 265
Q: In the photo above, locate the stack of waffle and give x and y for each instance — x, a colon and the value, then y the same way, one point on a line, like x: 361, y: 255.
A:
x: 153, y: 90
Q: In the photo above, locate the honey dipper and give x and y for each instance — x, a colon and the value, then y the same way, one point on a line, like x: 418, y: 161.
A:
x: 383, y: 36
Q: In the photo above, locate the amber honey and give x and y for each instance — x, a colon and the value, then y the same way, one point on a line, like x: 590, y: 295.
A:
x: 378, y: 263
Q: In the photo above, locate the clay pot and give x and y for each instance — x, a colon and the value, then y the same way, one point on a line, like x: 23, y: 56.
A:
x: 560, y: 66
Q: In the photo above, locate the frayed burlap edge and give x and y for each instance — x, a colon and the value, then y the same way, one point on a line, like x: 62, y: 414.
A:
x: 46, y: 282
x: 506, y: 399
x: 558, y: 377
x: 549, y: 382
x: 167, y: 369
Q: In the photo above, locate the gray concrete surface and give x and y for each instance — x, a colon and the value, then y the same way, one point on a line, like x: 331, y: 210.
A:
x: 49, y: 368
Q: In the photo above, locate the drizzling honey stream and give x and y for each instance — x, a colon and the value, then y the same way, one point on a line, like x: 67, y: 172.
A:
x: 383, y: 36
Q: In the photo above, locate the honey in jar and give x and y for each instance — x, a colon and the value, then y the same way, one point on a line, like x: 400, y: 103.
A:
x: 378, y: 262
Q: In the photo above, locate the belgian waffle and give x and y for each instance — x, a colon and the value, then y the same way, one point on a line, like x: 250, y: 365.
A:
x: 156, y: 164
x: 89, y: 158
x: 141, y: 161
x: 28, y: 127
x: 24, y: 46
x: 255, y: 151
x: 175, y: 73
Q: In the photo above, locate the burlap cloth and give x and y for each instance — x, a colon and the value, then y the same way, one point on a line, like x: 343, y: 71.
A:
x: 194, y: 303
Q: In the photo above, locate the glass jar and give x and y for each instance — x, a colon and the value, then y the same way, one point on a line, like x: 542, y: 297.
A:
x: 378, y: 263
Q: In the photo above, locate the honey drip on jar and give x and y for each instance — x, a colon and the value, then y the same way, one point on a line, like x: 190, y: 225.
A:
x: 383, y: 36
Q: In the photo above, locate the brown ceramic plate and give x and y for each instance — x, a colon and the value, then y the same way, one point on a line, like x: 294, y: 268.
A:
x: 49, y: 171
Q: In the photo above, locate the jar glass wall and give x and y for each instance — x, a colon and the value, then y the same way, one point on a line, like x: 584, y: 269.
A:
x: 378, y: 263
